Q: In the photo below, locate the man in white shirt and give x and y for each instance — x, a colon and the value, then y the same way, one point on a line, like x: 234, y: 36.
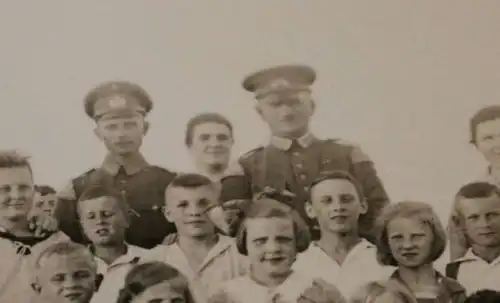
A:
x: 104, y: 217
x: 341, y: 257
x: 477, y: 212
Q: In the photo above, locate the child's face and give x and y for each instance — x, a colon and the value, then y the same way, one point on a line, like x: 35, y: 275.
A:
x: 16, y: 193
x: 482, y: 220
x: 410, y: 241
x: 162, y: 292
x: 70, y: 278
x: 103, y: 221
x: 336, y: 205
x: 488, y: 140
x: 44, y: 204
x: 186, y: 208
x: 271, y: 245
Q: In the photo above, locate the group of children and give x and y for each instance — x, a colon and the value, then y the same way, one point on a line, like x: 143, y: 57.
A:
x: 271, y: 259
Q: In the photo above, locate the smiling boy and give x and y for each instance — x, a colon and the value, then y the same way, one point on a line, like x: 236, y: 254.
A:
x: 104, y: 216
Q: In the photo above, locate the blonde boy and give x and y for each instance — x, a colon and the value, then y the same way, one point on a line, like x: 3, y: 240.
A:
x: 18, y: 240
x: 203, y: 256
x: 104, y: 217
x: 64, y: 272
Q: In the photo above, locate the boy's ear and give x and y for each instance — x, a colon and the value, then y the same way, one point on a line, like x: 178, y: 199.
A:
x: 167, y: 214
x: 364, y: 206
x: 310, y: 212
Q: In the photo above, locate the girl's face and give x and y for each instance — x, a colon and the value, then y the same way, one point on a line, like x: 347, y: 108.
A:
x: 271, y: 245
x: 410, y: 241
x: 160, y: 293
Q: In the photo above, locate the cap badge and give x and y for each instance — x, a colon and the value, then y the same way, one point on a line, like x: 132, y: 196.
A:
x: 279, y: 84
x: 117, y: 102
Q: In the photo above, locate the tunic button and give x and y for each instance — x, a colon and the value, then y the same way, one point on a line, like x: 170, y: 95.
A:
x: 302, y: 177
x: 296, y: 154
x: 299, y: 165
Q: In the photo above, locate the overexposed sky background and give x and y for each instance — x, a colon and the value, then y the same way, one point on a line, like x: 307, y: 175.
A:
x: 401, y: 78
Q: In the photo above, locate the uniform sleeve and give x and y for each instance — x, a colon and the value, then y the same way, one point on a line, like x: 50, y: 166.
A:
x: 375, y: 194
x: 236, y: 183
x: 66, y: 214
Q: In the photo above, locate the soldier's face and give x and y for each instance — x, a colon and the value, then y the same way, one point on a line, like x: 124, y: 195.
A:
x: 336, y: 205
x: 162, y: 293
x: 212, y: 143
x: 45, y: 204
x: 16, y: 193
x: 287, y: 115
x: 481, y: 220
x: 488, y: 140
x: 410, y: 241
x: 187, y: 209
x: 103, y: 221
x: 271, y: 245
x: 67, y: 278
x: 122, y: 135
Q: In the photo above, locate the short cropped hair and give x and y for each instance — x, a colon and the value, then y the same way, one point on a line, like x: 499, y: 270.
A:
x: 484, y: 296
x: 14, y: 159
x: 202, y: 119
x: 420, y: 211
x: 270, y: 208
x: 145, y: 275
x: 487, y: 113
x: 190, y: 181
x: 44, y: 190
x: 472, y: 190
x: 339, y: 175
x: 371, y: 291
x: 63, y: 248
x: 97, y: 191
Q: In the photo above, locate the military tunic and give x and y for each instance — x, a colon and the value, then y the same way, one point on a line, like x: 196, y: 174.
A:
x: 293, y: 165
x: 143, y: 187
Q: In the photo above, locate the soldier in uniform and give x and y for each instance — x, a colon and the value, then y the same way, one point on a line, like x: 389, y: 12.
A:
x: 119, y: 109
x: 295, y: 157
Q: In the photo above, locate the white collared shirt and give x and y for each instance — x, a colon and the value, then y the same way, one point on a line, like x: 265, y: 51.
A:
x: 114, y: 274
x: 475, y: 274
x: 245, y: 290
x: 222, y: 263
x: 359, y: 267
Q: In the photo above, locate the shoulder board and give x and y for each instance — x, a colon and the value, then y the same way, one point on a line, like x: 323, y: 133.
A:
x: 357, y: 154
x: 251, y: 152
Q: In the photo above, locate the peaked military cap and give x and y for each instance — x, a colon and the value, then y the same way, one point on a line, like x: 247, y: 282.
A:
x: 279, y: 79
x: 117, y: 98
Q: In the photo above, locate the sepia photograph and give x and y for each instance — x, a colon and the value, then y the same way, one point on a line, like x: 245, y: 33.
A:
x: 259, y: 151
